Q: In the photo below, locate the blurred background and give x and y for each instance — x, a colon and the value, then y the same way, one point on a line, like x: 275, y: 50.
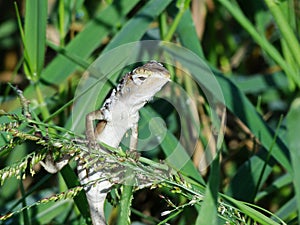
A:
x: 252, y: 47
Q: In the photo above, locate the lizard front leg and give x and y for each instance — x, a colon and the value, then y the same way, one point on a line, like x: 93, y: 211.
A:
x: 89, y: 123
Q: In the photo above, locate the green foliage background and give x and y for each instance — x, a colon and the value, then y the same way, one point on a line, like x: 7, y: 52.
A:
x: 252, y: 47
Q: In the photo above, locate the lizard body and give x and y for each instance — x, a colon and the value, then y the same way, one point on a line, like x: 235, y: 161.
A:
x: 119, y: 113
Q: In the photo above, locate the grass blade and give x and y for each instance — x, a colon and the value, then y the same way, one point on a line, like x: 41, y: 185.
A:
x: 258, y: 83
x: 35, y: 37
x: 126, y: 201
x: 285, y: 28
x: 209, y: 209
x: 293, y: 125
x: 187, y: 34
x: 252, y: 213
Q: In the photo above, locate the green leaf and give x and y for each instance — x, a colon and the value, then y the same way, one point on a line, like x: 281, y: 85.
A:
x: 290, y: 13
x: 258, y: 83
x: 293, y: 126
x: 209, y: 209
x: 183, y: 4
x: 187, y: 34
x: 7, y: 29
x: 238, y: 103
x: 35, y: 37
x: 126, y: 200
x: 285, y: 28
x: 71, y: 180
x: 244, y: 184
x: 45, y: 213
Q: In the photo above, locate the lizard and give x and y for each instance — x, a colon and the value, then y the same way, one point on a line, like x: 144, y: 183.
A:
x: 119, y: 113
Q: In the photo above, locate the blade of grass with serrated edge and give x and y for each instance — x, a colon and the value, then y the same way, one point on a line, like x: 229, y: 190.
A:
x: 293, y: 127
x: 35, y: 37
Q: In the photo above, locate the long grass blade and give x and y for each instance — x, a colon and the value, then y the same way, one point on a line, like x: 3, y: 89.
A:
x: 293, y: 125
x: 209, y: 209
x: 35, y: 37
x: 187, y: 34
x: 285, y: 28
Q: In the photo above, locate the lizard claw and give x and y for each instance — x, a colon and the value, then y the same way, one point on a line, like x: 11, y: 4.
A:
x: 93, y: 145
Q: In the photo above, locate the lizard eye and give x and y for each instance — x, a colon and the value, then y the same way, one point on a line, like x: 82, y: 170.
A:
x: 141, y: 78
x: 138, y: 78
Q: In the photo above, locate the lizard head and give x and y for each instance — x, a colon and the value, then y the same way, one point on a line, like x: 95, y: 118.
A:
x: 144, y: 82
x: 150, y: 71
